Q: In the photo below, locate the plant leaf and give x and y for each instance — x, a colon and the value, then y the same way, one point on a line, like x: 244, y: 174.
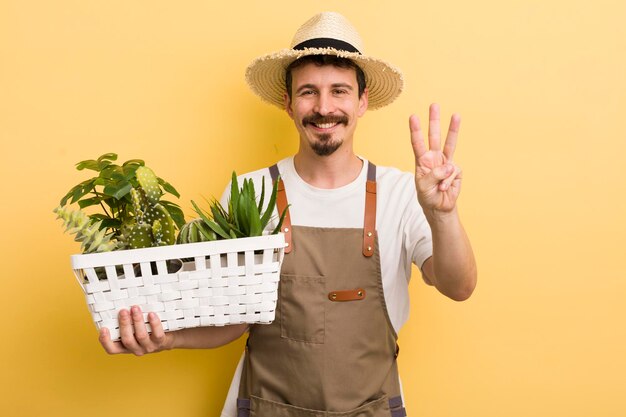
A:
x: 221, y: 216
x: 270, y: 206
x: 138, y: 162
x: 102, y: 165
x: 83, y: 188
x: 168, y: 187
x: 129, y: 169
x: 242, y: 212
x: 110, y: 156
x: 175, y: 211
x: 110, y: 223
x: 208, y: 234
x: 71, y: 192
x: 255, y: 220
x: 233, y: 201
x: 118, y: 175
x: 107, y: 172
x: 214, y: 226
x: 280, y: 221
x: 118, y: 190
x: 93, y: 201
x: 87, y: 164
x: 262, y: 194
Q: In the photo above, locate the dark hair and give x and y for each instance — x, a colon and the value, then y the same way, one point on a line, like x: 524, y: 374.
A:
x: 322, y: 60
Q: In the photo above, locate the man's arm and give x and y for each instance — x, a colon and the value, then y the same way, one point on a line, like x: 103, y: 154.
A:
x: 135, y: 338
x: 452, y: 268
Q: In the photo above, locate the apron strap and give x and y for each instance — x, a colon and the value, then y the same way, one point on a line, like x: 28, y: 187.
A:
x: 281, y: 205
x: 396, y: 407
x: 369, y: 223
x: 243, y: 407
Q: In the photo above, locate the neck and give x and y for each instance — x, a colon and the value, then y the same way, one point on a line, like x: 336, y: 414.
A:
x: 332, y: 171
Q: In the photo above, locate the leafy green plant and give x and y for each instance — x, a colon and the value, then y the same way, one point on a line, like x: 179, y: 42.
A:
x: 243, y: 218
x: 129, y: 196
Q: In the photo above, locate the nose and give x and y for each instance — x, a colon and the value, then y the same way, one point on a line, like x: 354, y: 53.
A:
x: 324, y: 104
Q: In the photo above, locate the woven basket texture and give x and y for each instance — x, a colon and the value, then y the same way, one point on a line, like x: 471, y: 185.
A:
x: 216, y: 284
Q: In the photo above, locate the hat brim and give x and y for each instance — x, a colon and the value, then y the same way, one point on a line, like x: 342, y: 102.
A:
x: 266, y: 75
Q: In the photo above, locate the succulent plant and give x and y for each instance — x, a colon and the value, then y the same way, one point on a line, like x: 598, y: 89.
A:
x: 133, y: 213
x: 91, y: 237
x: 152, y: 224
x: 245, y: 216
x: 195, y: 231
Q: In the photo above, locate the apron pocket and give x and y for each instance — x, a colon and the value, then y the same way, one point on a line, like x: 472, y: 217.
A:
x: 302, y: 308
x: 266, y: 408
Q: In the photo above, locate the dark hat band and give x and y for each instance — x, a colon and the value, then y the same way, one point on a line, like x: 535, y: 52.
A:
x: 326, y: 43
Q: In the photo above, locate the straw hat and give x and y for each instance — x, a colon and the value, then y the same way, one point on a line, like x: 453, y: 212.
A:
x: 327, y: 33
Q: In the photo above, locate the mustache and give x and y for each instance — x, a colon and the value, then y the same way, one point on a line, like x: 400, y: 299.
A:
x: 319, y: 119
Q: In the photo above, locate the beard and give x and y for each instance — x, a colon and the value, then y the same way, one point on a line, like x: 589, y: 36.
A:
x: 325, y: 145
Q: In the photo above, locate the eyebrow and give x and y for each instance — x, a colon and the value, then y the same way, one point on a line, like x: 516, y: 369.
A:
x: 314, y: 87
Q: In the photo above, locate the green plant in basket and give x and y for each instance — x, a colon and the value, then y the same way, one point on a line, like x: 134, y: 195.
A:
x: 244, y: 217
x: 133, y: 215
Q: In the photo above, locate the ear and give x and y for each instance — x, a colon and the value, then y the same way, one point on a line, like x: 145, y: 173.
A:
x: 287, y: 102
x: 363, y: 102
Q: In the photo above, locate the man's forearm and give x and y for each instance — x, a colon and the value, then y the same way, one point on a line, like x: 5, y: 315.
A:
x: 453, y: 264
x: 207, y: 337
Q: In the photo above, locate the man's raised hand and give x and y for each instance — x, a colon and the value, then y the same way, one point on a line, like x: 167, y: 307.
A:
x: 437, y: 178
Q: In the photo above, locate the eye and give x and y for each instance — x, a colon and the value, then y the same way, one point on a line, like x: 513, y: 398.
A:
x: 340, y: 91
x: 307, y: 92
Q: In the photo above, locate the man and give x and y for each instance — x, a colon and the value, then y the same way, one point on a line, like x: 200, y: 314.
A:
x: 353, y: 231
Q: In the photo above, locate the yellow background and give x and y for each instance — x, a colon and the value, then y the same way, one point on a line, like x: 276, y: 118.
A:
x: 541, y: 88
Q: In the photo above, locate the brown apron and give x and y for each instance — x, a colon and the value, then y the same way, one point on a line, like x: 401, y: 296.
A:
x: 331, y: 350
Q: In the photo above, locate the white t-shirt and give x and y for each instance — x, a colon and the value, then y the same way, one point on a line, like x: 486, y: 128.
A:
x: 404, y: 236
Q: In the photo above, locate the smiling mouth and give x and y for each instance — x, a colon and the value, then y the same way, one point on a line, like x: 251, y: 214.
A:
x: 324, y: 125
x: 324, y: 122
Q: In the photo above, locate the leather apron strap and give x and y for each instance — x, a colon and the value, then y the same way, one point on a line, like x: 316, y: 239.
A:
x: 369, y: 222
x: 281, y: 205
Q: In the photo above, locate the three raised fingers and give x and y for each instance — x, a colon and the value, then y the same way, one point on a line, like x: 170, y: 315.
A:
x: 434, y: 134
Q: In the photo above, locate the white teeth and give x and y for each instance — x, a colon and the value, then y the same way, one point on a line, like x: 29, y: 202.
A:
x: 325, y: 125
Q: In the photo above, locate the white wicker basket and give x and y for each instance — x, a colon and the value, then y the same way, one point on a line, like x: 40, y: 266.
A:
x: 226, y: 282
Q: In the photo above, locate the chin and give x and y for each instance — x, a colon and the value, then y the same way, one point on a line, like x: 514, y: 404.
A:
x: 325, y: 148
